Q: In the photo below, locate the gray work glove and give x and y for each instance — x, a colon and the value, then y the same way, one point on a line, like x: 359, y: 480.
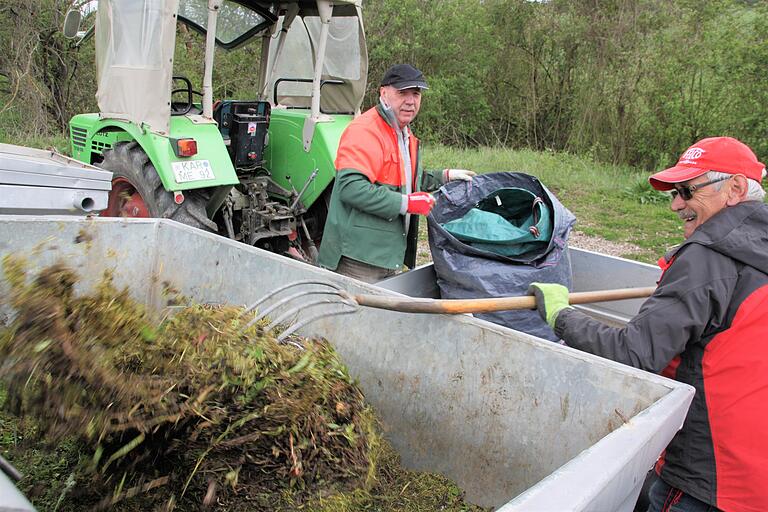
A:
x: 458, y: 174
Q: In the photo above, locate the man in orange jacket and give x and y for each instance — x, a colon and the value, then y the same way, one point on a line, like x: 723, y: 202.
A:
x: 380, y: 188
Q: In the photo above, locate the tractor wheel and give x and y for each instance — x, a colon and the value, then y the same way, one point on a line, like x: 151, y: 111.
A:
x: 138, y: 192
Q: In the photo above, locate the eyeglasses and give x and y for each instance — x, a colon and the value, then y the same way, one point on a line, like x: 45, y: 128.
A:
x: 686, y: 191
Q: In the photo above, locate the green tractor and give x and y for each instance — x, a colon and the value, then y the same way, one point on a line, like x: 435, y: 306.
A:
x: 256, y: 169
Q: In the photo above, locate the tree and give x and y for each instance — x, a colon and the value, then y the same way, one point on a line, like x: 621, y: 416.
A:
x: 38, y: 64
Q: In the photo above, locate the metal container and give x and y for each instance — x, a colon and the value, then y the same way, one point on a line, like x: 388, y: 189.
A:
x: 11, y: 500
x: 42, y: 182
x: 519, y: 423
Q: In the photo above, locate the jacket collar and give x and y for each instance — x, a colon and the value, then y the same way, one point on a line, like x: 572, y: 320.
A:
x: 389, y: 118
x: 738, y: 232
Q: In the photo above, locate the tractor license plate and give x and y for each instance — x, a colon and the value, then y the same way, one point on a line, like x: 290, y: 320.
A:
x: 193, y: 170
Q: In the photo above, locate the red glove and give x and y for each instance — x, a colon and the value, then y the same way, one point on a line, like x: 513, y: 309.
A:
x: 420, y: 203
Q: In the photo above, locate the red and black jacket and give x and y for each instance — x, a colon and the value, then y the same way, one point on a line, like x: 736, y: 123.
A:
x: 711, y: 310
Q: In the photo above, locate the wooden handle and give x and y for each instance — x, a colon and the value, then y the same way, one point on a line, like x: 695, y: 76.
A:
x: 457, y: 306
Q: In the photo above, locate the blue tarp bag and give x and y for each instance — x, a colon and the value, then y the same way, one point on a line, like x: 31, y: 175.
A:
x: 483, y: 244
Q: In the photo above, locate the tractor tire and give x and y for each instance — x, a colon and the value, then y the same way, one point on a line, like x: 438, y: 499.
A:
x: 138, y: 192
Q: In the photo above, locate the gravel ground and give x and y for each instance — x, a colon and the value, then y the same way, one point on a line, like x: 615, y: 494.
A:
x: 577, y: 239
x: 597, y: 244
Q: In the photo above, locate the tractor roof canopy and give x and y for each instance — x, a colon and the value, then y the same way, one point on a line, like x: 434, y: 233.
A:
x: 238, y: 22
x: 241, y: 20
x: 135, y: 42
x: 345, y: 64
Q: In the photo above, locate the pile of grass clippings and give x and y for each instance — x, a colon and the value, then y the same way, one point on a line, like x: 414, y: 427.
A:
x: 190, y: 409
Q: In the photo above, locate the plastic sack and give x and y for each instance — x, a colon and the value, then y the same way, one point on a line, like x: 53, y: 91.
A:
x: 511, y: 222
x: 468, y: 270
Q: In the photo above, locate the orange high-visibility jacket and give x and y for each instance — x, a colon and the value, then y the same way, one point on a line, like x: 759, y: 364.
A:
x: 364, y: 221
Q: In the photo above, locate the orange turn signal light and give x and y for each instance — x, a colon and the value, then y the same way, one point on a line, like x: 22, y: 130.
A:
x: 184, y: 147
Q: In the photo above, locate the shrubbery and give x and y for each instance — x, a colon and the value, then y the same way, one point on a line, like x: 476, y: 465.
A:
x: 627, y: 81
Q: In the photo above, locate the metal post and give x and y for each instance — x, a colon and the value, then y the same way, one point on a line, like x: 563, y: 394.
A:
x: 210, y: 46
x: 290, y: 15
x: 266, y: 41
x: 325, y: 9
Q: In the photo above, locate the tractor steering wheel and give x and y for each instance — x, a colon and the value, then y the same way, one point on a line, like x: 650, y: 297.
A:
x: 180, y: 108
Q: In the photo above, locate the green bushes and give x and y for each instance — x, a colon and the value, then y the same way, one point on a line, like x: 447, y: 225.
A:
x: 625, y: 81
x: 43, y: 79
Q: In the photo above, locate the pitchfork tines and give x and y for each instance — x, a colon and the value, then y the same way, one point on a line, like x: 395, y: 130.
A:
x: 332, y: 295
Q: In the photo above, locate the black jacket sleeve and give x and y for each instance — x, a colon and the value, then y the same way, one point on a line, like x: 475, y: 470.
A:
x: 690, y: 303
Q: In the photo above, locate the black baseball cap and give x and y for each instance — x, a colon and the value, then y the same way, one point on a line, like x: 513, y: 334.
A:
x: 404, y: 76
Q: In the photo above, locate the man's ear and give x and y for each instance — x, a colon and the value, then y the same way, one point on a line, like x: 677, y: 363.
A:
x: 383, y: 96
x: 737, y: 189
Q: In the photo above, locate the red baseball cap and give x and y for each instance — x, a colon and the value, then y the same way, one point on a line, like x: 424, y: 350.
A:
x: 722, y: 154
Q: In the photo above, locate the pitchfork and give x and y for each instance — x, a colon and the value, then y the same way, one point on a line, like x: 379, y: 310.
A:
x: 333, y: 294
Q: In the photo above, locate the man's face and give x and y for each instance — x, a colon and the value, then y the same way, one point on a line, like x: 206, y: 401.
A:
x: 705, y: 202
x: 405, y: 104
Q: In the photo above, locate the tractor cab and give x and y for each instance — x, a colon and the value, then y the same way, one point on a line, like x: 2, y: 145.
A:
x: 256, y: 168
x: 313, y: 55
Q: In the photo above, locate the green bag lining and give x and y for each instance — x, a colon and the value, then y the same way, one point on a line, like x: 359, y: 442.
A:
x: 509, y: 222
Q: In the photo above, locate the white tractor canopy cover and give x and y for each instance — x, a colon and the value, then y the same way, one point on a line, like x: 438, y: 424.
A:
x: 345, y: 65
x: 135, y: 42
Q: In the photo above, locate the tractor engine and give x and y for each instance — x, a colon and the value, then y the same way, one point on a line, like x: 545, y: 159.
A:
x: 250, y: 212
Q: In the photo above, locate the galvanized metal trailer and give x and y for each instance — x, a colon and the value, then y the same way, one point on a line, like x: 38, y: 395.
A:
x: 520, y: 423
x: 44, y: 182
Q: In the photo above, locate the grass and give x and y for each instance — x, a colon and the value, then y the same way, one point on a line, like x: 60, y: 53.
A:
x: 609, y: 201
x: 612, y: 202
x: 14, y: 129
x: 47, y: 469
x: 60, y: 143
